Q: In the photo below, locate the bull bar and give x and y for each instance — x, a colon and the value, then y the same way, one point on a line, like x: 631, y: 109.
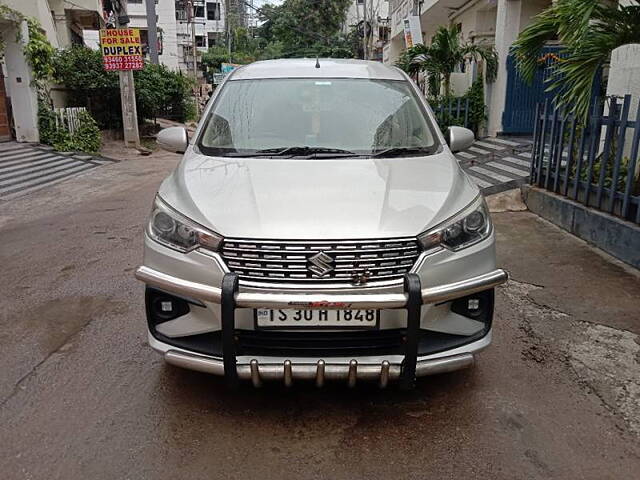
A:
x: 230, y: 298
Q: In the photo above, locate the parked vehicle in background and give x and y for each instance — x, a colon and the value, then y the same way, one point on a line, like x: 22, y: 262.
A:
x: 319, y: 227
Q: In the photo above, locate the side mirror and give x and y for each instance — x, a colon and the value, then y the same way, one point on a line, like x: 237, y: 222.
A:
x: 459, y: 138
x: 173, y: 139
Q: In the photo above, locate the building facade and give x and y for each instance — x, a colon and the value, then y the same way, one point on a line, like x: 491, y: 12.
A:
x: 201, y: 23
x: 370, y: 18
x: 188, y: 25
x: 168, y: 51
x: 63, y: 23
x: 489, y: 22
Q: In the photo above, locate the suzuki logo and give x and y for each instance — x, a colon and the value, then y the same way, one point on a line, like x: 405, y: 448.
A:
x: 321, y: 264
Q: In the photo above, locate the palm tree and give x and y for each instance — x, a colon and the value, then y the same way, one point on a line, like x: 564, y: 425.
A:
x: 588, y: 30
x: 440, y: 59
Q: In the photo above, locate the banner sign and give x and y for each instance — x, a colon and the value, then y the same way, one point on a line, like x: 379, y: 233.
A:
x: 121, y: 49
x: 226, y: 68
x: 412, y: 31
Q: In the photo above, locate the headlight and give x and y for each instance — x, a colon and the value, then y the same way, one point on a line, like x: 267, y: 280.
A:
x: 168, y: 227
x: 470, y: 226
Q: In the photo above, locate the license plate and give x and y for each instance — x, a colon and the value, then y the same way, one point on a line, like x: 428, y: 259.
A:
x: 266, y: 318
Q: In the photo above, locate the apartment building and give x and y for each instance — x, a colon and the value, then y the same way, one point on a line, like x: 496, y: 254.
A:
x: 490, y: 22
x: 185, y: 24
x: 168, y: 49
x: 370, y: 17
x: 199, y: 22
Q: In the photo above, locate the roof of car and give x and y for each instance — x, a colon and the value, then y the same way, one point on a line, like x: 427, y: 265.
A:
x: 306, y: 68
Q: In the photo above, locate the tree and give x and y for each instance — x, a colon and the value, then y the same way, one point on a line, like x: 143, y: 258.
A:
x: 588, y: 30
x: 246, y: 49
x: 307, y: 29
x: 440, y: 59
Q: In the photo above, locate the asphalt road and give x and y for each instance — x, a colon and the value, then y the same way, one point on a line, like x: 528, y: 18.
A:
x: 82, y: 396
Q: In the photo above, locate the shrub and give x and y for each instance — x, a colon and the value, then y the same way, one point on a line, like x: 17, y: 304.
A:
x: 80, y: 70
x: 476, y: 116
x: 87, y: 137
x: 46, y: 123
x: 159, y: 91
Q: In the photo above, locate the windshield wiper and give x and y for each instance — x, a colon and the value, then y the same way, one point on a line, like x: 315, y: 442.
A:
x: 302, y: 151
x: 294, y: 152
x: 402, y: 151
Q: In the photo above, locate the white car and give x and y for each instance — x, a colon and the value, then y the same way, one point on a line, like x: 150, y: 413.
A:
x: 319, y: 227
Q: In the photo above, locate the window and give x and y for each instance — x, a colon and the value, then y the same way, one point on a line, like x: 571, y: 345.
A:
x: 200, y: 41
x: 252, y: 115
x: 213, y: 39
x: 213, y: 11
x: 198, y: 11
x: 383, y: 33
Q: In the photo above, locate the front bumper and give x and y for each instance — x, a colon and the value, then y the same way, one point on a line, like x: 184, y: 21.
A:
x: 430, y: 295
x: 405, y: 368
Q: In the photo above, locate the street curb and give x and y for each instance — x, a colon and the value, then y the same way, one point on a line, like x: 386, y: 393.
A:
x: 611, y: 234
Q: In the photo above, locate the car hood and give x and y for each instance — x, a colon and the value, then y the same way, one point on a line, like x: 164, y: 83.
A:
x: 357, y: 198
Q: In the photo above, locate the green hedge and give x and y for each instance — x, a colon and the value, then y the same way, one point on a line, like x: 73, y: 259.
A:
x: 87, y: 138
x: 160, y: 92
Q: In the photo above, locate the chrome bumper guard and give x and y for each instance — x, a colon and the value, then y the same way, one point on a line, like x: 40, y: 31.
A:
x: 320, y: 371
x: 230, y: 299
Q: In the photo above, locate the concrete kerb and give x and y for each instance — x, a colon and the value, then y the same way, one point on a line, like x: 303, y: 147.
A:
x: 611, y: 234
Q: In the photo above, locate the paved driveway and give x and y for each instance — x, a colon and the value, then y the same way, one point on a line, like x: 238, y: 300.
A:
x: 82, y: 396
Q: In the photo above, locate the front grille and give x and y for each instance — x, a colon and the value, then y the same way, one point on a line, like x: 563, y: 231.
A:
x: 302, y: 261
x: 320, y: 344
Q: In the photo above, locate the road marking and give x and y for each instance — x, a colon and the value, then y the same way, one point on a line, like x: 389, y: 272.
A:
x: 507, y: 168
x: 492, y: 174
x: 479, y: 150
x: 525, y: 154
x: 466, y: 155
x: 490, y: 145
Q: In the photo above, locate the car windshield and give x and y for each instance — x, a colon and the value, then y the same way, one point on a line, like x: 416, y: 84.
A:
x: 317, y: 117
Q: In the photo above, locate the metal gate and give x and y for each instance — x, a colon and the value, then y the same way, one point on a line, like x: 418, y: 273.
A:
x: 521, y: 97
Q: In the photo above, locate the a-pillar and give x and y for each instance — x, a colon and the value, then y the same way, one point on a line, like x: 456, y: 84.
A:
x: 19, y: 84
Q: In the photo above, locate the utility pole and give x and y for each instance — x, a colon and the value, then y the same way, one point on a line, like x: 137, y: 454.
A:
x: 191, y: 17
x: 364, y: 29
x: 227, y: 20
x: 127, y: 90
x: 152, y: 30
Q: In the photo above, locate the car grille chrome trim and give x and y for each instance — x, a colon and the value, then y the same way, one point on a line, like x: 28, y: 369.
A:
x: 269, y: 261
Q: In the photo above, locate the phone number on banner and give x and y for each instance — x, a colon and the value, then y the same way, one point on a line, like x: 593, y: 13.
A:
x: 125, y: 62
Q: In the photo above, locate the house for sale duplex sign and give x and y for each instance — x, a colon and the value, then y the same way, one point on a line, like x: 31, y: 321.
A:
x: 121, y: 49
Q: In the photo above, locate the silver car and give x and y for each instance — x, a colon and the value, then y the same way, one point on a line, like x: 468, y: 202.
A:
x: 319, y: 228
